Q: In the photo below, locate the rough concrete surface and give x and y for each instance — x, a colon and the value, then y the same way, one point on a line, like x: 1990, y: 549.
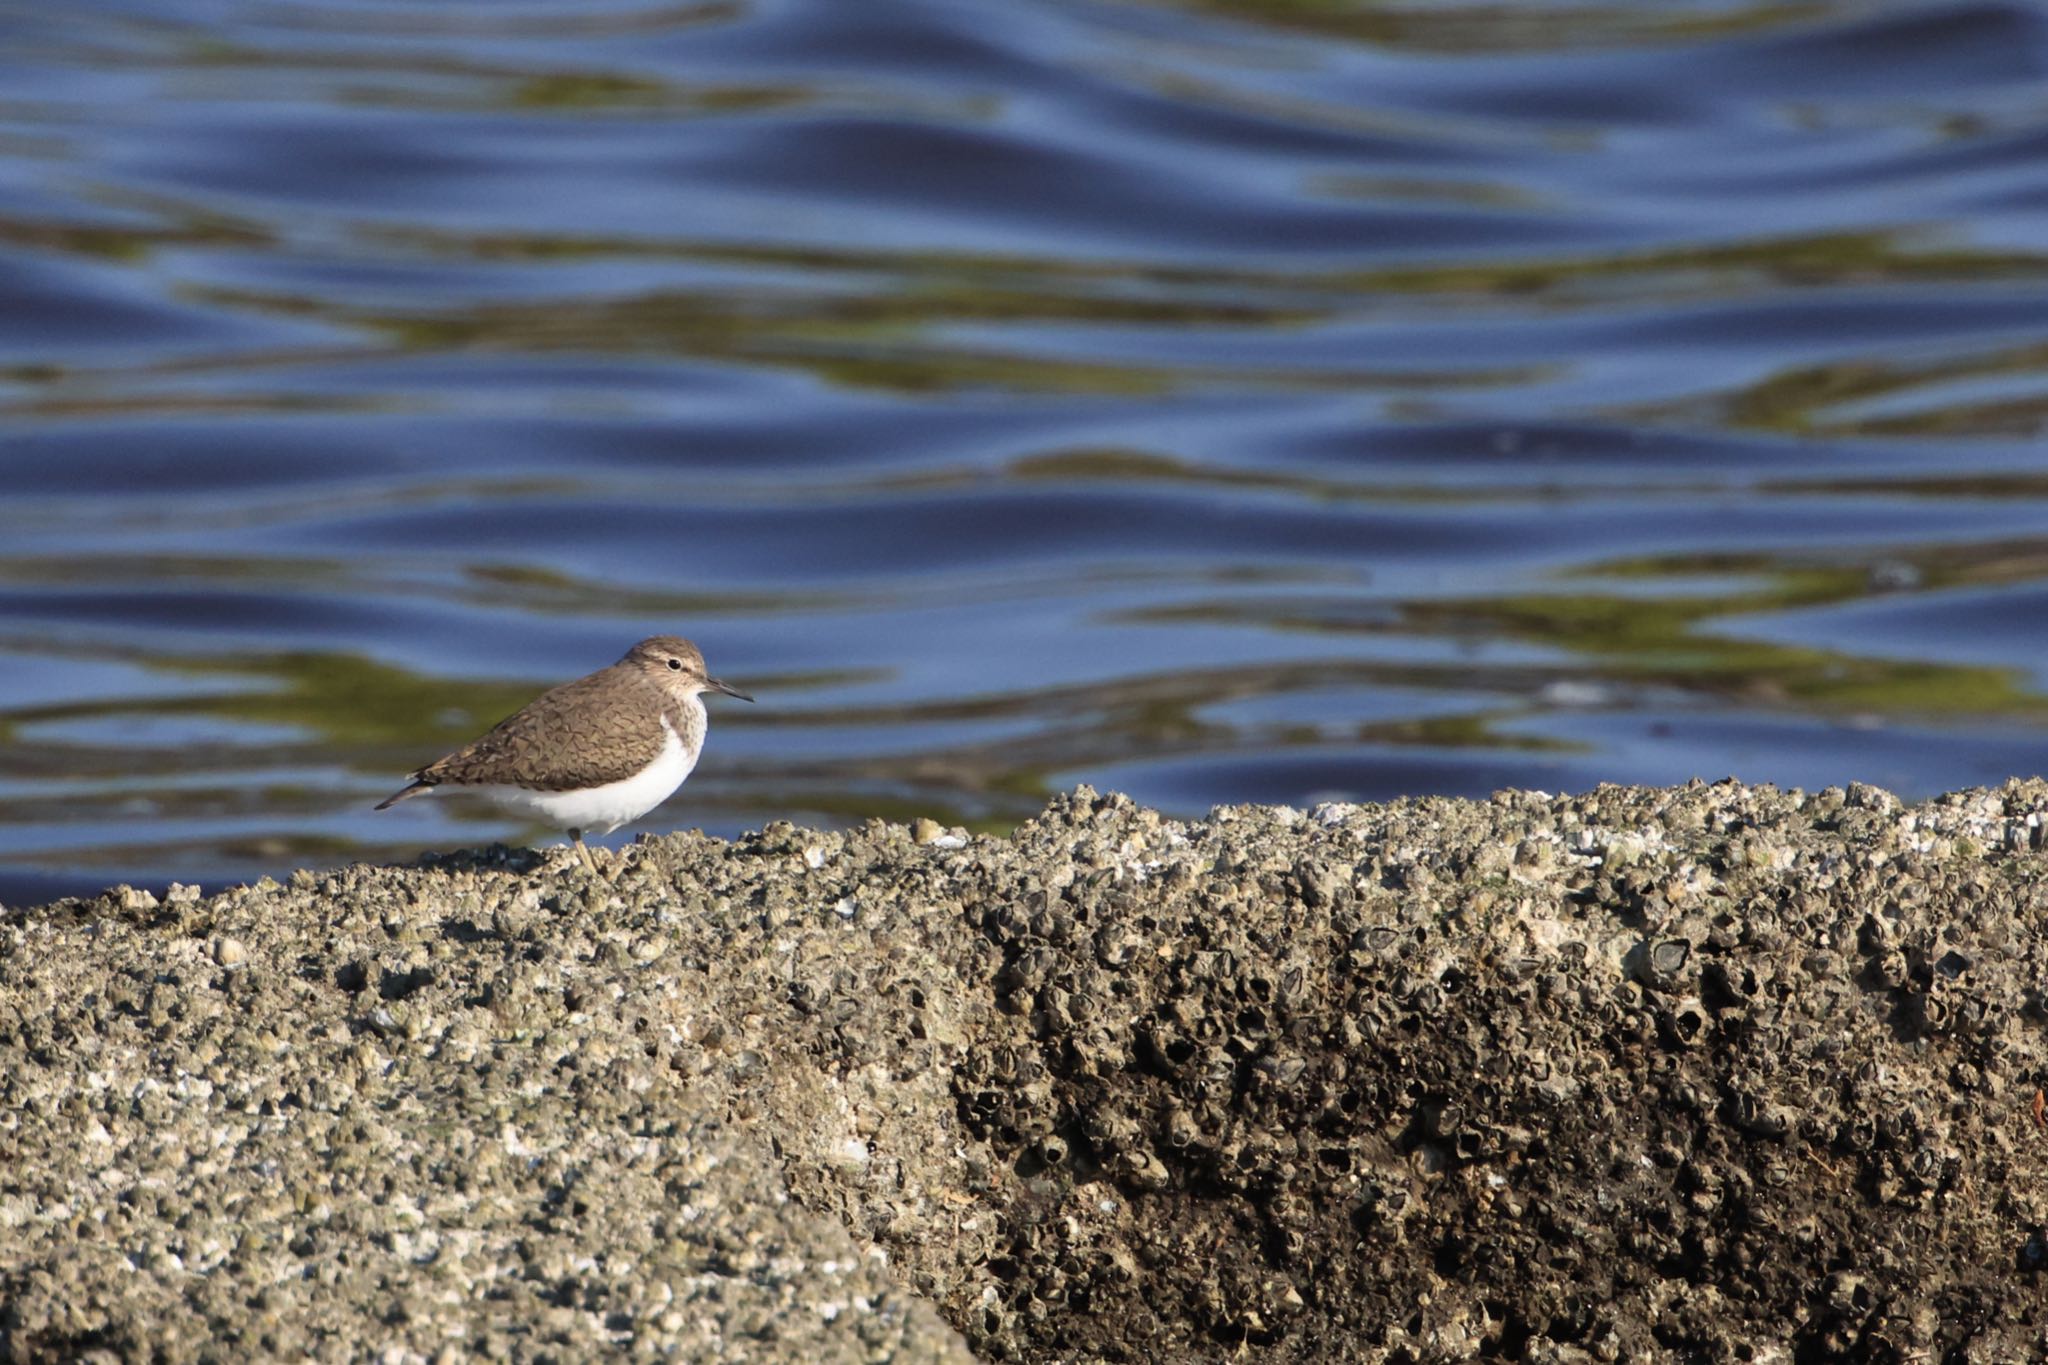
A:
x: 1708, y: 1073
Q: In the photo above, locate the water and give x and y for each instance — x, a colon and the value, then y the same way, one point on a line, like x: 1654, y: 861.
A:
x: 1219, y: 401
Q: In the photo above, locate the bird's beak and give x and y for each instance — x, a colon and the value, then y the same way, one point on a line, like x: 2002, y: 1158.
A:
x: 716, y: 686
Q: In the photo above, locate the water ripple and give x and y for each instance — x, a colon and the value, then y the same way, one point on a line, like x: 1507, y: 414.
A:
x: 1246, y: 401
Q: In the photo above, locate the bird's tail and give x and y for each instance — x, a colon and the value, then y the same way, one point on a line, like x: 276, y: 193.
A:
x: 414, y: 790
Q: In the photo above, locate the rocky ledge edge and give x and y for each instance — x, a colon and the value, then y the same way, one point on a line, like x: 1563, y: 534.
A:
x: 1710, y: 1072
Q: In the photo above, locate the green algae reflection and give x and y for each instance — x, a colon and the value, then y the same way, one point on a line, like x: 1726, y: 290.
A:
x: 1658, y: 639
x: 352, y: 704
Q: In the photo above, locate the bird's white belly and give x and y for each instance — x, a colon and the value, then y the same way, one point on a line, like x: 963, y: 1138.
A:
x: 600, y: 810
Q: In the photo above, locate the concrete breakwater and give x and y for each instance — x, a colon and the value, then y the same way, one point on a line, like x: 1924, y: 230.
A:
x: 1712, y: 1072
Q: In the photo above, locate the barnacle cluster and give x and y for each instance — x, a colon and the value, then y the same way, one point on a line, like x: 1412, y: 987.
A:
x: 1708, y: 1072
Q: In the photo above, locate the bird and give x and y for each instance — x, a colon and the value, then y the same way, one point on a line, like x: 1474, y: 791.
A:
x: 592, y: 754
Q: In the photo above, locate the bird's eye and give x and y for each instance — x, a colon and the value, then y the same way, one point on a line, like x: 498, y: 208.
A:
x: 676, y: 664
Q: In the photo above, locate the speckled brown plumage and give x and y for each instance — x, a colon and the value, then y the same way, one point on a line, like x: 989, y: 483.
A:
x: 599, y: 729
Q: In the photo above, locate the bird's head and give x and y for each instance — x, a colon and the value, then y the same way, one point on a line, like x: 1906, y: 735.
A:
x: 677, y: 666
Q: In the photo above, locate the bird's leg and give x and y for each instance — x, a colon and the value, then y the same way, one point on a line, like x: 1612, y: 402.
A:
x: 584, y: 850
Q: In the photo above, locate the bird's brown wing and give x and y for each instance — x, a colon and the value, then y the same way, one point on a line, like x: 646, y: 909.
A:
x: 599, y: 729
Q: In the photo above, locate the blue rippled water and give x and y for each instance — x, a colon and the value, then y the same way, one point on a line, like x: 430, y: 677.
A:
x: 1220, y: 401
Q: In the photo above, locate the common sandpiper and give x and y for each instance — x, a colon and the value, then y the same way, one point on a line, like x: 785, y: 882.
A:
x: 593, y: 754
